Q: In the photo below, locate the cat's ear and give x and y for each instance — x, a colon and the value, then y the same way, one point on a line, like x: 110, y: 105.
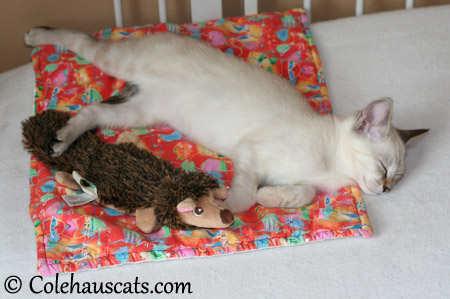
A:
x: 408, y: 135
x: 375, y: 120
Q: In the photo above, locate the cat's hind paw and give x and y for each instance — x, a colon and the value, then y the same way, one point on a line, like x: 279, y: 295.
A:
x: 64, y: 138
x: 37, y: 36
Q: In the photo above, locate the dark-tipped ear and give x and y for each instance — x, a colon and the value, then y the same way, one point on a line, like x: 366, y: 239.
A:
x: 408, y: 135
x: 375, y: 119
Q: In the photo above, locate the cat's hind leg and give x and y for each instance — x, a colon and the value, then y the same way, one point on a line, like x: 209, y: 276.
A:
x: 110, y: 57
x: 286, y: 196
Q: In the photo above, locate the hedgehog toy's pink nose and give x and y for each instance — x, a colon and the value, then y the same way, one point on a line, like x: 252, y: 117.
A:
x: 226, y: 216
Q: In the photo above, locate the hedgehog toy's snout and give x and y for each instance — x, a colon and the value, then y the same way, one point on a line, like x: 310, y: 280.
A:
x: 226, y: 216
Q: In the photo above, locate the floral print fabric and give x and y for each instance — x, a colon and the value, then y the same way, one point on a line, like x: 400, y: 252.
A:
x: 92, y: 236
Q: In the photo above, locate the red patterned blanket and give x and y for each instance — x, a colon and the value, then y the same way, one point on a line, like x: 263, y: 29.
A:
x: 91, y: 236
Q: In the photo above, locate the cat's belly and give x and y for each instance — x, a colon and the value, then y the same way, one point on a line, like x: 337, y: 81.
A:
x: 216, y: 123
x: 218, y: 107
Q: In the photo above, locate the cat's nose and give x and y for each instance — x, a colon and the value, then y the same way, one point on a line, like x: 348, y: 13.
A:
x: 387, y: 184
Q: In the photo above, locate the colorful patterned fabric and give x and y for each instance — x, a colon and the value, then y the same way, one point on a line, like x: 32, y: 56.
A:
x: 91, y: 236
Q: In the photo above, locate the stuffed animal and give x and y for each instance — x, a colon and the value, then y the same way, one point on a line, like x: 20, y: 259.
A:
x: 130, y: 179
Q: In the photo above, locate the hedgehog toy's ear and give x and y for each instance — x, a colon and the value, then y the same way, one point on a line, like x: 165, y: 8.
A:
x: 187, y: 205
x: 220, y: 193
x: 146, y: 219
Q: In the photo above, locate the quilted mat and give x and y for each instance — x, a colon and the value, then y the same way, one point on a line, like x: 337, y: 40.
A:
x: 91, y: 236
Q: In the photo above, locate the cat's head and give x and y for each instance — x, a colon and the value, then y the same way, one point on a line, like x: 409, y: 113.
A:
x: 379, y: 158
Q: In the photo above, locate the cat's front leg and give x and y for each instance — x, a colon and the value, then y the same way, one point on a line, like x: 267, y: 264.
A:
x: 286, y: 196
x: 243, y: 192
x: 244, y: 187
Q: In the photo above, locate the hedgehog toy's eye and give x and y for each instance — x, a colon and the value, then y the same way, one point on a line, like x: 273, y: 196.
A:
x: 198, y: 211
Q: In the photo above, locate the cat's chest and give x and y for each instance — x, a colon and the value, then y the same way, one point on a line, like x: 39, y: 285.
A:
x: 308, y: 164
x: 309, y: 172
x: 289, y: 164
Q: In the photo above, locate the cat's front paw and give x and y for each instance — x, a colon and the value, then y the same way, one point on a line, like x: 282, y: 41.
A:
x: 37, y: 36
x: 288, y: 196
x: 237, y: 202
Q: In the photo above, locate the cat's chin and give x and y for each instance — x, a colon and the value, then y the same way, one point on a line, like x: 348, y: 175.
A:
x: 371, y: 190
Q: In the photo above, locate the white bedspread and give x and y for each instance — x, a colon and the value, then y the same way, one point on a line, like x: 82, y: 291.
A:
x: 404, y: 55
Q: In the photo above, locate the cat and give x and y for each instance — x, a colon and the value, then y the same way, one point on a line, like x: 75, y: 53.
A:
x: 283, y: 151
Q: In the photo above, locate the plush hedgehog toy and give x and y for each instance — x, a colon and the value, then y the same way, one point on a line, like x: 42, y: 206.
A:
x: 131, y: 179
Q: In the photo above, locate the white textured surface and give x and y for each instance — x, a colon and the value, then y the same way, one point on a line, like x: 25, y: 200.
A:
x: 205, y: 10
x: 404, y: 55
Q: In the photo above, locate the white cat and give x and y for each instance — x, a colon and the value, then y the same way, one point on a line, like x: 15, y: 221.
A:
x: 283, y: 152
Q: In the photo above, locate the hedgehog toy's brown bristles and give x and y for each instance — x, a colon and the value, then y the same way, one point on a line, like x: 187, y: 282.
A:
x: 126, y: 176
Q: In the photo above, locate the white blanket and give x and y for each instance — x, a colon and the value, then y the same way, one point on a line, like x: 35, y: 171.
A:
x: 403, y: 55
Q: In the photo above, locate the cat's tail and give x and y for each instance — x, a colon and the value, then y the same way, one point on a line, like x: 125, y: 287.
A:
x: 38, y: 136
x: 106, y: 55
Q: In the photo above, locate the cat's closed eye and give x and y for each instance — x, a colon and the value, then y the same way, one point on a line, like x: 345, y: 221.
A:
x: 385, y: 170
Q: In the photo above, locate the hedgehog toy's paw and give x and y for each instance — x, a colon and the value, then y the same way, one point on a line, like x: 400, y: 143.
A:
x: 146, y: 219
x: 221, y: 193
x: 66, y: 179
